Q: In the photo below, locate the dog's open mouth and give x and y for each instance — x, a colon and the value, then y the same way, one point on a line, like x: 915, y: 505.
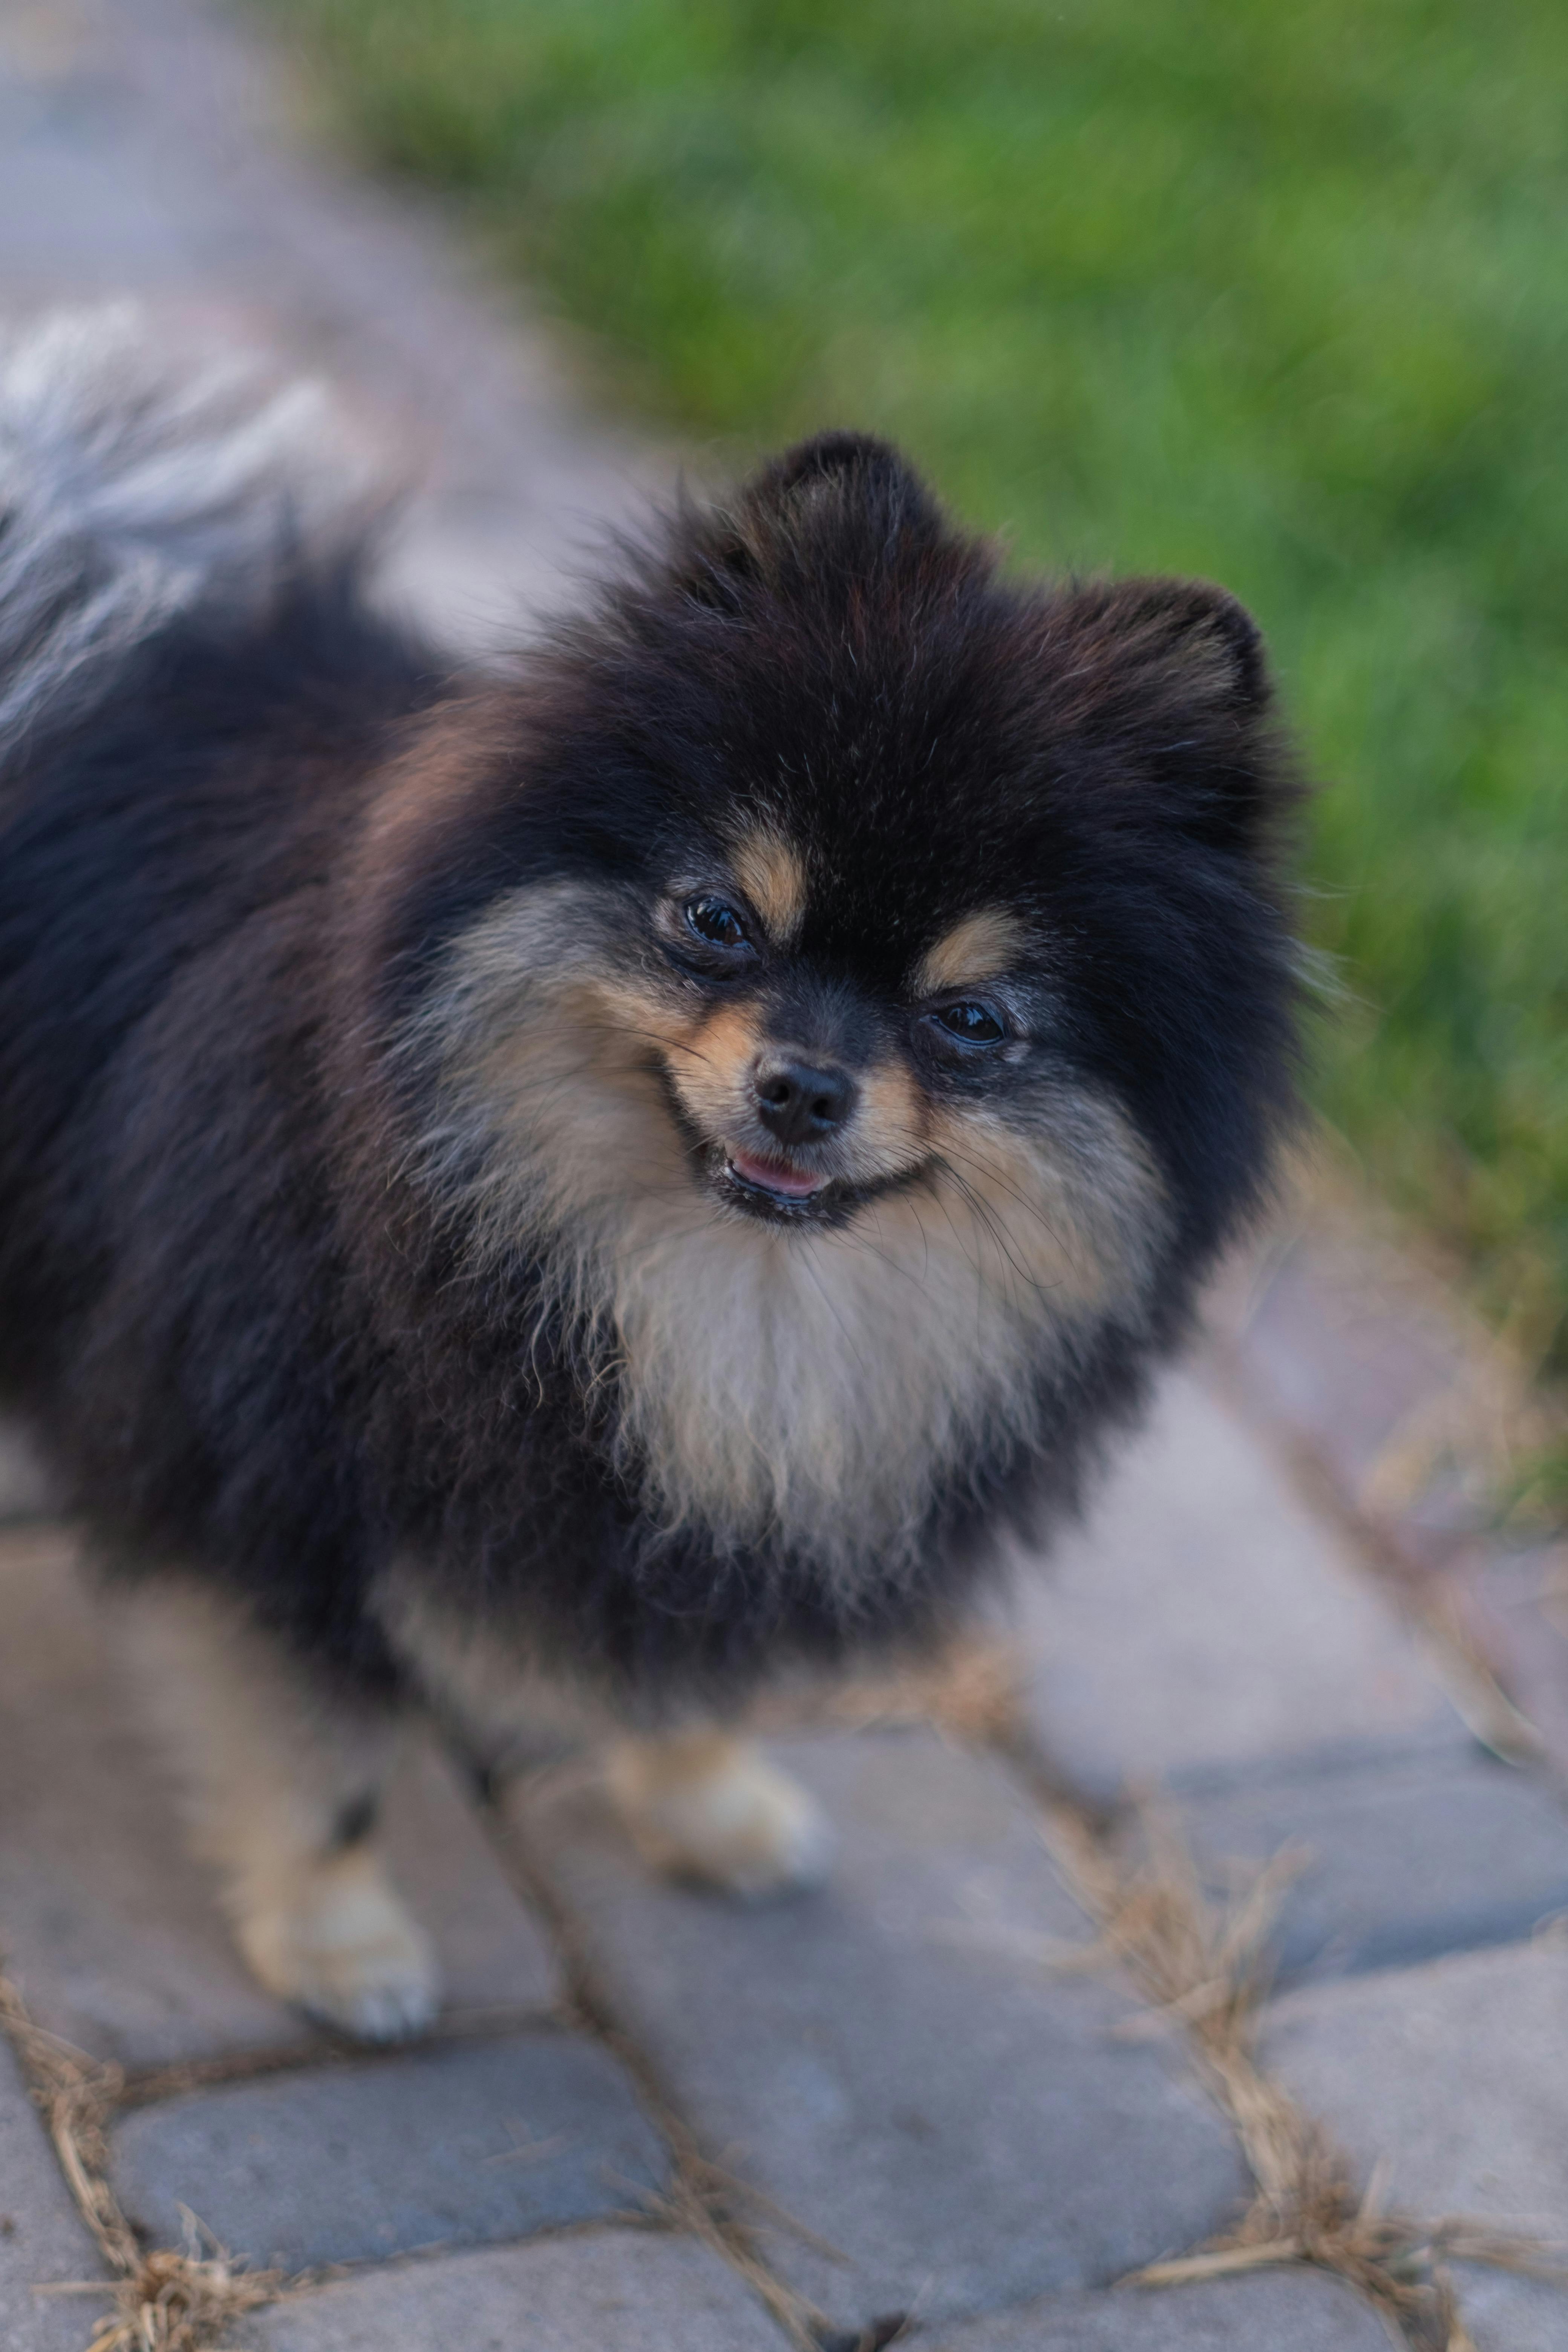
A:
x: 782, y: 1192
x: 784, y: 1182
x: 773, y: 1184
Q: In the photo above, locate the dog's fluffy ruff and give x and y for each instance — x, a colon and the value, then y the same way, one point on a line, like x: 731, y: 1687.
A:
x: 808, y: 1392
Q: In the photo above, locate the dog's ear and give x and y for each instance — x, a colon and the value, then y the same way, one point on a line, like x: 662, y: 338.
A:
x: 1172, y: 674
x: 851, y: 468
x: 1185, y: 636
x: 842, y: 499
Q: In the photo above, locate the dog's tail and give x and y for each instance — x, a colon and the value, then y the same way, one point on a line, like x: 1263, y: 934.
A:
x: 141, y: 478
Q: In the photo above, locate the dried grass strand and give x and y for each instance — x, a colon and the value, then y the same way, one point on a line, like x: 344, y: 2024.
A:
x: 168, y: 2300
x: 1205, y: 1965
x: 701, y: 2197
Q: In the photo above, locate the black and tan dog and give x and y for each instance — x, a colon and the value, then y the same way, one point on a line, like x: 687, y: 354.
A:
x: 617, y: 1179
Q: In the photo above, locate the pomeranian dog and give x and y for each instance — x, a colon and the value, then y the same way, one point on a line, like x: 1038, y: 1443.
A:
x: 601, y: 1181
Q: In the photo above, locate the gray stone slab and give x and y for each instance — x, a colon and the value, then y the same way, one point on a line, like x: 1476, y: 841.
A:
x: 43, y: 2240
x: 1202, y: 1619
x: 1276, y: 2311
x: 454, y: 2146
x: 1347, y: 1344
x: 1396, y: 1396
x: 1507, y: 2313
x: 1404, y: 1859
x: 1454, y: 2074
x: 112, y: 1927
x: 1509, y: 1604
x: 889, y: 2060
x: 602, y: 2290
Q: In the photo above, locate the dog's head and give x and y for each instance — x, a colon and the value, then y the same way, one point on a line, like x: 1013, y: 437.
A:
x: 852, y: 979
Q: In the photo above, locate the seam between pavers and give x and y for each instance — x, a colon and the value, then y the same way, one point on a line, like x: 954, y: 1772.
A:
x: 1481, y: 1379
x: 1395, y: 2261
x: 145, y: 2086
x: 162, y: 2300
x: 168, y: 2300
x: 704, y: 2199
x: 1305, y: 2209
x: 1336, y: 1764
x: 701, y: 2204
x: 1467, y: 1677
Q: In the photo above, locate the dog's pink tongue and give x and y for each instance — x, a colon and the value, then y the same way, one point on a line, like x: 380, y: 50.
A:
x: 773, y: 1175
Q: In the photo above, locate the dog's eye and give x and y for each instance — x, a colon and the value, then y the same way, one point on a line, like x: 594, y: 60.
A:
x: 973, y: 1024
x: 715, y: 922
x: 964, y: 1035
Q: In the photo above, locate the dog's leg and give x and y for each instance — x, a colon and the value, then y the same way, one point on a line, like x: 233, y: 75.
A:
x: 704, y: 1804
x: 282, y: 1778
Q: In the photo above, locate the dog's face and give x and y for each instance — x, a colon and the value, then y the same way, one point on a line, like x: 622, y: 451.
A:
x: 818, y: 1052
x: 853, y: 982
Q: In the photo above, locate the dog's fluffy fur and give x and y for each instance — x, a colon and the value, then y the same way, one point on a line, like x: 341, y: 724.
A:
x: 399, y: 1240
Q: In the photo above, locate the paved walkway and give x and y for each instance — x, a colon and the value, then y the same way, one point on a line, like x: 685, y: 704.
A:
x: 649, y: 2122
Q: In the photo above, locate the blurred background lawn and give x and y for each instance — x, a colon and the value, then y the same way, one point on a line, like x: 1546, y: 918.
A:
x: 1270, y: 291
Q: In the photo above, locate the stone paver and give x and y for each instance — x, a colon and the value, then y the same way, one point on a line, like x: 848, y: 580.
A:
x: 889, y: 2060
x: 1455, y: 2075
x: 438, y: 2147
x: 1344, y: 1348
x: 42, y: 2238
x: 603, y: 2291
x: 1382, y: 1383
x: 112, y: 1928
x: 1509, y: 1602
x: 1274, y: 2312
x: 1203, y: 1620
x: 1407, y: 1858
x: 1507, y: 2313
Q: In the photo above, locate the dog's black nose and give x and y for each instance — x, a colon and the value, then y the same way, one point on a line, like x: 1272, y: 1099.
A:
x: 800, y: 1104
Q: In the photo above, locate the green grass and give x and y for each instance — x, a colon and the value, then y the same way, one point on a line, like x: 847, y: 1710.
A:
x: 1274, y: 293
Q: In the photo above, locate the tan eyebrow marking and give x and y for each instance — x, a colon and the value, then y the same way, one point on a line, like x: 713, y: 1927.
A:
x: 974, y: 950
x: 773, y: 876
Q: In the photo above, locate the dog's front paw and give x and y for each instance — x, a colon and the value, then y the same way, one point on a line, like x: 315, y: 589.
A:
x: 711, y: 1808
x: 340, y: 1943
